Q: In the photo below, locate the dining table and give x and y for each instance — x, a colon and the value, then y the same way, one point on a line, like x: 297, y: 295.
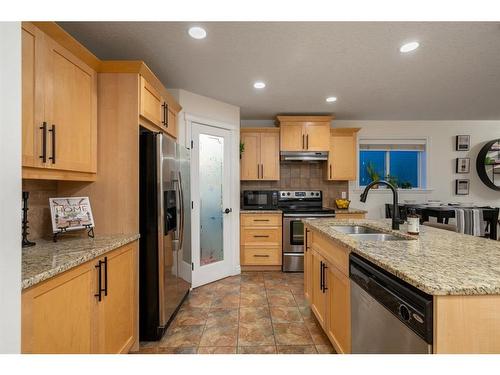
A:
x: 444, y: 212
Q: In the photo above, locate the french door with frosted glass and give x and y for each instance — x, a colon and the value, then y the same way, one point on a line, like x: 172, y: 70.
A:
x: 212, y: 213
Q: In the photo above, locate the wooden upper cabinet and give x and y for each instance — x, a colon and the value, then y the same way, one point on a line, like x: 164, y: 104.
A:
x: 260, y: 158
x: 32, y: 100
x: 342, y: 158
x: 151, y: 106
x: 304, y: 133
x: 292, y: 136
x: 70, y: 110
x: 171, y: 121
x: 59, y: 109
x: 250, y: 158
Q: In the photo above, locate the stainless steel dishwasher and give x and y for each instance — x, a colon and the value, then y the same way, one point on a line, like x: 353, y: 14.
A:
x: 387, y: 314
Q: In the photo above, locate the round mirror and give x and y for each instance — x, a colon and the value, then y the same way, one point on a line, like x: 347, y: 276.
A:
x: 488, y: 164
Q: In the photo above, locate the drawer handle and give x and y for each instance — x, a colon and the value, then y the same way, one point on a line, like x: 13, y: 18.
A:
x: 261, y: 236
x: 261, y: 256
x: 260, y: 219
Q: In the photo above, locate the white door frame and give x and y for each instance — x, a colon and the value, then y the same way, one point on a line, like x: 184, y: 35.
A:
x: 233, y: 251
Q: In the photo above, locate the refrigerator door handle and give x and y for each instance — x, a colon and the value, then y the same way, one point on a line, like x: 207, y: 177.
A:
x: 181, y: 205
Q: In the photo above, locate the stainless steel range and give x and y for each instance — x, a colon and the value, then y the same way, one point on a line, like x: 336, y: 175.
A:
x: 296, y: 206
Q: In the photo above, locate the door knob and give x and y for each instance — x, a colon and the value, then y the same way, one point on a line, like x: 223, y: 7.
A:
x: 228, y: 210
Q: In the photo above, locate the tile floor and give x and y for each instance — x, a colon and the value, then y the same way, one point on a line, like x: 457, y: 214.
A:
x: 253, y: 313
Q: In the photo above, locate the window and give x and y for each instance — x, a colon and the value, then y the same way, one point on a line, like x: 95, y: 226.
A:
x: 402, y: 162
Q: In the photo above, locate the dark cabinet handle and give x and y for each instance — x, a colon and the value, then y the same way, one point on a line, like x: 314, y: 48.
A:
x: 105, y: 290
x: 53, y: 131
x: 321, y: 276
x: 261, y: 236
x: 261, y: 256
x: 306, y: 242
x: 262, y: 170
x: 324, y: 277
x: 163, y: 110
x: 43, y: 128
x: 307, y: 141
x: 330, y: 171
x: 260, y: 219
x: 99, y: 283
x: 165, y: 114
x: 303, y: 142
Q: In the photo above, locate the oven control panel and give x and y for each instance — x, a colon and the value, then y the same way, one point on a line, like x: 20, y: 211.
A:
x: 303, y: 194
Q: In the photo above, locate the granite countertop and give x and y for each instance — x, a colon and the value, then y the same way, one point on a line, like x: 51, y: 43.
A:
x: 437, y: 261
x: 260, y: 211
x: 47, y: 258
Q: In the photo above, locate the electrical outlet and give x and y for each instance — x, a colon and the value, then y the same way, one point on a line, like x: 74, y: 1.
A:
x: 344, y: 195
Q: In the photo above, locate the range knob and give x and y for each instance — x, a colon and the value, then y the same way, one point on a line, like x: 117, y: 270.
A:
x: 283, y: 194
x: 404, y: 312
x: 288, y: 193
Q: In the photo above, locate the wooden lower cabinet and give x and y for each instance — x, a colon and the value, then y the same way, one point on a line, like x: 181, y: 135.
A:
x: 260, y: 241
x: 327, y: 288
x: 307, y: 266
x: 63, y: 315
x: 338, y: 327
x: 319, y: 296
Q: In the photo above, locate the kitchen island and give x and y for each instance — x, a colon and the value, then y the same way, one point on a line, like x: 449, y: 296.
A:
x: 461, y: 272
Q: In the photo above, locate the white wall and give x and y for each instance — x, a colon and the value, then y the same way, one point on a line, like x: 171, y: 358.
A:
x: 202, y: 106
x: 208, y: 111
x: 441, y: 154
x: 10, y: 187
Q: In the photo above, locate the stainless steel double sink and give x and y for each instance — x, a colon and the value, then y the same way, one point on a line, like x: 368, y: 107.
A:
x: 362, y: 233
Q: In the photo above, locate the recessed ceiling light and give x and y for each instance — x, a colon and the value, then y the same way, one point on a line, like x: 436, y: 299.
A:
x: 408, y: 47
x: 331, y: 99
x: 197, y: 32
x: 259, y: 85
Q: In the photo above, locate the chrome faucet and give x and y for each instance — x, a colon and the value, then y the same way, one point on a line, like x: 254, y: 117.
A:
x: 395, y: 209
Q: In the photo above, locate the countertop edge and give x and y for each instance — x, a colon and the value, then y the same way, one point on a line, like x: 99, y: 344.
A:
x: 92, y: 254
x: 412, y: 281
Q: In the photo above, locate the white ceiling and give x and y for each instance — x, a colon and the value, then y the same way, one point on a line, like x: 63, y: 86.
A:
x: 454, y: 75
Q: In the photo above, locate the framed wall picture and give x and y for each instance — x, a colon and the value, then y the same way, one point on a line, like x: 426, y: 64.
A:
x: 72, y: 213
x: 462, y: 143
x: 462, y: 165
x: 462, y: 187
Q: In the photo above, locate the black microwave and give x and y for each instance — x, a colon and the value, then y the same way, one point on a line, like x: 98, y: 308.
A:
x: 259, y: 200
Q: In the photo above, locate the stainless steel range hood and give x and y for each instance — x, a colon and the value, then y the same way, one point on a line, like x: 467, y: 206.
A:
x: 307, y: 156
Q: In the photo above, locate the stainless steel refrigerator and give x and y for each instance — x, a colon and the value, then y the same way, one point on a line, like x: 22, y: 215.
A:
x: 165, y: 228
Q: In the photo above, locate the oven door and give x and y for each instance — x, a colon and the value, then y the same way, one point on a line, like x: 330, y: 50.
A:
x: 293, y: 235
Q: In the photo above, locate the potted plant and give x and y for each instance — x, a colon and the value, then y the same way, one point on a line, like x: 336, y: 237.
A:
x: 406, y: 185
x: 393, y: 180
x: 242, y: 148
x: 372, y: 173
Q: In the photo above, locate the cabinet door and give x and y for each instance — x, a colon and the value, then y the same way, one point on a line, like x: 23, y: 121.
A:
x: 58, y: 315
x: 339, y: 308
x: 318, y: 295
x: 270, y: 156
x: 308, y: 270
x: 70, y: 110
x: 32, y: 95
x: 151, y: 103
x: 343, y: 159
x: 171, y: 123
x: 118, y: 309
x: 317, y: 136
x: 250, y: 159
x: 292, y: 136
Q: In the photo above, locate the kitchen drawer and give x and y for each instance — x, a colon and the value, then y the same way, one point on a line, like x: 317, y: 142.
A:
x: 260, y: 256
x: 260, y: 220
x: 335, y: 253
x: 265, y: 236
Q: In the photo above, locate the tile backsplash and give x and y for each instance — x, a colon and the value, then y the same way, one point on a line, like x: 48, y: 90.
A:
x: 38, y: 204
x: 302, y: 176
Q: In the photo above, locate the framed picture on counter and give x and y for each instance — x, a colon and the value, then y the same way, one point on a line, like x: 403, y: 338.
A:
x: 463, y: 165
x: 462, y: 187
x: 72, y: 213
